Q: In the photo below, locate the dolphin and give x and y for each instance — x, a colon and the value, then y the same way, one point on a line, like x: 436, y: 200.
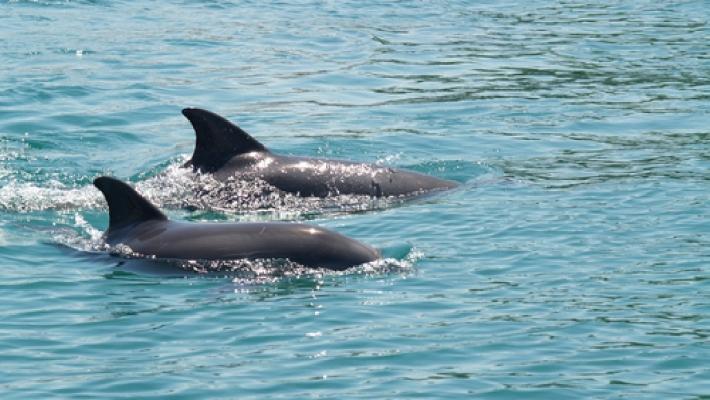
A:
x: 138, y: 224
x: 226, y: 151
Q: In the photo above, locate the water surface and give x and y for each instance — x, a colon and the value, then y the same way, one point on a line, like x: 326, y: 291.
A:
x: 572, y: 263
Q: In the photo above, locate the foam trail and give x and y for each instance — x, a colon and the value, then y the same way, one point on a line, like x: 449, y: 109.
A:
x: 25, y: 197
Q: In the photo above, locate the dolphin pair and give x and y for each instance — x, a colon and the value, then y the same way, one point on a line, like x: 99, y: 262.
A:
x: 225, y: 151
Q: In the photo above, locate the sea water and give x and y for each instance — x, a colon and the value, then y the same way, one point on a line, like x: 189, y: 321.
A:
x: 573, y: 261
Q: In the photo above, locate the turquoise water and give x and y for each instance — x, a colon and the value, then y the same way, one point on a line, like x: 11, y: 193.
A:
x: 572, y: 262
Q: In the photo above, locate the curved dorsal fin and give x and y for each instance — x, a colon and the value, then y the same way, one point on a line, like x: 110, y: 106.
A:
x: 125, y: 205
x: 217, y: 140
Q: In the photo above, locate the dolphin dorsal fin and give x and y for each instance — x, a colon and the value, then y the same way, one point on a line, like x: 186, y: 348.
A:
x: 217, y: 140
x: 125, y: 205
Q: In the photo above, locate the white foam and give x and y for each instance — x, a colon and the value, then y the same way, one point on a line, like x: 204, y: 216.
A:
x: 25, y: 197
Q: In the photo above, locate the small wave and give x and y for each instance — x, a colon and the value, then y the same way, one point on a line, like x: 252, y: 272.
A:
x: 3, y: 238
x: 54, y: 3
x: 80, y: 235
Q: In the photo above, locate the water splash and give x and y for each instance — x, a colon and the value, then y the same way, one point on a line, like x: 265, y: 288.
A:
x: 178, y: 187
x: 26, y: 197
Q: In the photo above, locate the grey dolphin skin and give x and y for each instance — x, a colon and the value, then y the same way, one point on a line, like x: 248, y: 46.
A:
x: 135, y: 222
x: 225, y: 151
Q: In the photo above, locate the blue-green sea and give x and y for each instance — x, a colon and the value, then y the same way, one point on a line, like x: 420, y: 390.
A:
x: 573, y: 261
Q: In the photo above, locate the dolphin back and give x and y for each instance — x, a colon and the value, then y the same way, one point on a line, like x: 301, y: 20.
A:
x: 125, y: 205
